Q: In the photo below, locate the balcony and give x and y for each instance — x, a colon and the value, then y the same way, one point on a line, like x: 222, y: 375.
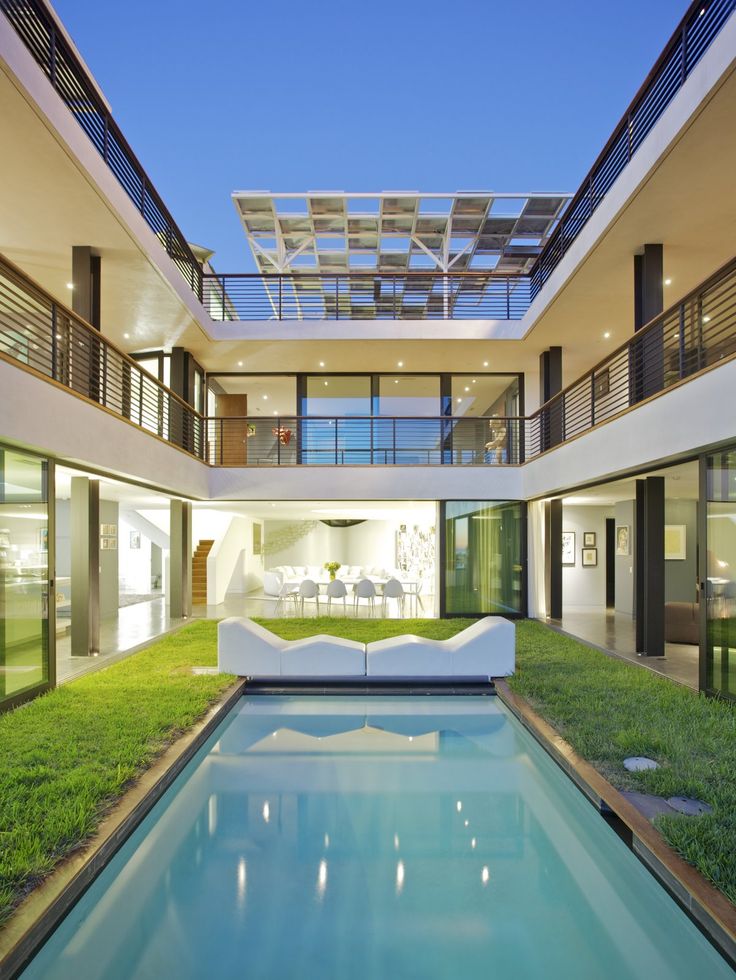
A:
x: 366, y: 296
x: 40, y: 335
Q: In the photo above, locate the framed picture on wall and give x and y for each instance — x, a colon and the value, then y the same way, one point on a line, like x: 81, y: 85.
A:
x: 568, y: 547
x: 675, y: 542
x: 43, y: 539
x: 589, y: 539
x: 135, y: 540
x: 257, y: 538
x: 623, y: 543
x: 590, y: 557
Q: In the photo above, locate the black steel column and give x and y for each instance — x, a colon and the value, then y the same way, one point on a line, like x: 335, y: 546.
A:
x: 86, y: 278
x: 647, y: 355
x: 649, y: 584
x: 85, y: 566
x: 553, y: 557
x: 550, y: 384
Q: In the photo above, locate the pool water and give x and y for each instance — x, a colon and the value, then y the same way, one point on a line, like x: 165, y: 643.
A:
x: 373, y: 839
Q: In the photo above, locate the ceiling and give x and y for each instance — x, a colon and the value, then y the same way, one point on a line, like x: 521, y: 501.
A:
x: 681, y: 483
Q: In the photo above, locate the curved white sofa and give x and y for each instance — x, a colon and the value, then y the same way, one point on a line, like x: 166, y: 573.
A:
x: 485, y: 649
x: 249, y: 650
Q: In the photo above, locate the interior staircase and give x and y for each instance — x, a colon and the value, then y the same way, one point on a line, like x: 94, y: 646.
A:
x: 199, y: 572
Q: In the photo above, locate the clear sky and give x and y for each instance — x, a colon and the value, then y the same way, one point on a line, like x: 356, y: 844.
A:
x: 380, y: 95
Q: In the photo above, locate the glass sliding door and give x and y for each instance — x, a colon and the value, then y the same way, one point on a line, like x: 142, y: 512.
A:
x: 335, y: 423
x: 26, y: 646
x: 720, y: 572
x: 412, y: 433
x: 483, y: 557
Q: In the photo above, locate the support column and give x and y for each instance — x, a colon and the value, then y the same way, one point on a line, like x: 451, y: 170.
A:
x: 550, y: 384
x: 649, y: 583
x: 647, y: 356
x: 553, y: 557
x: 180, y: 559
x: 85, y: 567
x: 86, y: 277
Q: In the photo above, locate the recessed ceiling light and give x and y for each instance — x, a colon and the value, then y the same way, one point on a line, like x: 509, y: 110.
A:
x: 126, y: 336
x: 265, y: 398
x: 275, y: 412
x: 485, y: 363
x: 607, y: 334
x: 70, y: 285
x: 400, y: 363
x: 396, y: 381
x: 473, y: 380
x: 459, y: 399
x: 706, y: 319
x: 326, y: 383
x: 321, y: 363
x: 240, y: 363
x: 467, y: 388
x: 668, y: 282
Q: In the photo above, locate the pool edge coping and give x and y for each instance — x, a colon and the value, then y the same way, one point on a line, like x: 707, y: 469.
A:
x: 710, y: 910
x: 36, y: 917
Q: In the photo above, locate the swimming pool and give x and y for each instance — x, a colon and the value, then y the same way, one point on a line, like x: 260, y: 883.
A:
x: 366, y: 838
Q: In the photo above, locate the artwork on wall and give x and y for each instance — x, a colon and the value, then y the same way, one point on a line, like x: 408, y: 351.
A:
x: 109, y: 530
x: 568, y: 547
x: 43, y: 539
x: 108, y: 544
x: 415, y: 551
x: 135, y: 540
x: 590, y: 557
x: 675, y: 542
x: 257, y: 538
x: 589, y: 539
x: 4, y: 538
x: 623, y: 544
x: 108, y: 537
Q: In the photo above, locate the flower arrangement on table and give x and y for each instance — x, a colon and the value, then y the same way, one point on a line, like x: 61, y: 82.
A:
x: 332, y: 567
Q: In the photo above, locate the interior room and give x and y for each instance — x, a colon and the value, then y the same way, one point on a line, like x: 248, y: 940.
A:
x: 133, y: 554
x: 258, y: 554
x: 599, y: 535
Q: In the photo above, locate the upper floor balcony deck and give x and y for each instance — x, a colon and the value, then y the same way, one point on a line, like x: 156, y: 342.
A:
x: 45, y: 338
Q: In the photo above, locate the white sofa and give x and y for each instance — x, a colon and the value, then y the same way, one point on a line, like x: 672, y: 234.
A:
x: 248, y: 650
x: 485, y: 649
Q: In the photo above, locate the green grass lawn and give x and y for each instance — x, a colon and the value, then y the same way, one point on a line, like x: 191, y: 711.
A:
x: 609, y: 709
x: 67, y: 756
x: 70, y: 754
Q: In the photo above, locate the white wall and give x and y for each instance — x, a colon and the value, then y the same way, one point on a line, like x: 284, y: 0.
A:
x: 585, y: 586
x: 135, y: 563
x: 232, y: 567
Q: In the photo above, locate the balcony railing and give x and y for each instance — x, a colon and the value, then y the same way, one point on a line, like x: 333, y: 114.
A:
x: 692, y: 38
x: 697, y: 333
x: 37, y: 29
x: 40, y: 334
x: 43, y: 336
x: 364, y: 441
x: 366, y: 296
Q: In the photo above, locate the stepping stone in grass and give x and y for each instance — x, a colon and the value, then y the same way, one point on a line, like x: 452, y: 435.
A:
x: 688, y: 806
x: 639, y: 763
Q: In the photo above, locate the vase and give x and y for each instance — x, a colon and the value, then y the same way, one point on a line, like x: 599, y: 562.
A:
x: 332, y: 576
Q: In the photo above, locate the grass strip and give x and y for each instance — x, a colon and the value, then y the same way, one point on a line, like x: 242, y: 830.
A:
x: 608, y: 709
x: 70, y: 754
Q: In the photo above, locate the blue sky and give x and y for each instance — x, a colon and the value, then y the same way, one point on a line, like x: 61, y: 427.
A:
x: 407, y: 94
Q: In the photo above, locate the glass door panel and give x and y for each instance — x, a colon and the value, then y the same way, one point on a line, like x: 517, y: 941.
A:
x: 720, y: 584
x: 24, y: 573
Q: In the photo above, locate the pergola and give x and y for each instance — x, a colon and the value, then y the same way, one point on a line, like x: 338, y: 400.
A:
x: 396, y: 232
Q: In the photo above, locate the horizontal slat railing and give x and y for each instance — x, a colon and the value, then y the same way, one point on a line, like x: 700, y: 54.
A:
x: 38, y: 31
x: 696, y: 333
x: 692, y: 38
x: 38, y: 333
x: 362, y: 296
x: 41, y: 335
x: 364, y: 441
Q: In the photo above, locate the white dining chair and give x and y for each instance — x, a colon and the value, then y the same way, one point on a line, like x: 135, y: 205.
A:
x: 287, y: 592
x: 364, y: 589
x: 393, y: 589
x: 309, y: 590
x: 412, y: 589
x: 336, y: 590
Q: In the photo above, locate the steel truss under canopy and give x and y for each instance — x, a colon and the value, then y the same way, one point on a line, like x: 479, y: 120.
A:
x: 397, y: 232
